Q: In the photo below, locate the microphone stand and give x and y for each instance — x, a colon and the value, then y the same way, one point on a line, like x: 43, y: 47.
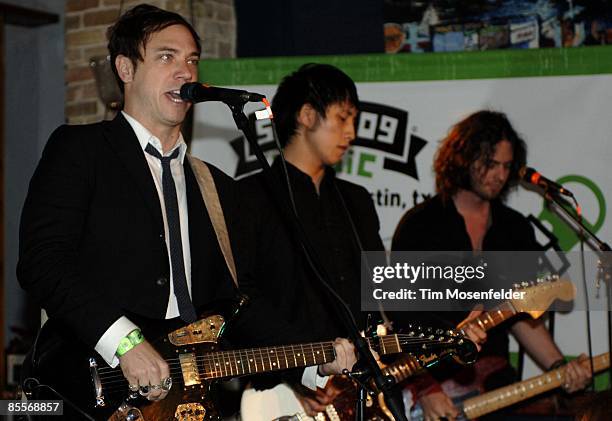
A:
x: 558, y: 206
x: 383, y: 383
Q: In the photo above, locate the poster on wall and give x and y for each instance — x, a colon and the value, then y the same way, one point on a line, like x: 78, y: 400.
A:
x: 456, y: 25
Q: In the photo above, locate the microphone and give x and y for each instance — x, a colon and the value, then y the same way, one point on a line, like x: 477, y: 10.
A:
x: 198, y: 92
x: 531, y: 176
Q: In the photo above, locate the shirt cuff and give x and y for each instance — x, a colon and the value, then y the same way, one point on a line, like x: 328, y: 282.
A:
x: 109, y: 342
x: 312, y: 380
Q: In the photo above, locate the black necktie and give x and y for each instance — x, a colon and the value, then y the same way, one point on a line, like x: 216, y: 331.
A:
x: 181, y: 291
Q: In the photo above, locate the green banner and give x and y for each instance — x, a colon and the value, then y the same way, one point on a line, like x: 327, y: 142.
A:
x: 418, y: 67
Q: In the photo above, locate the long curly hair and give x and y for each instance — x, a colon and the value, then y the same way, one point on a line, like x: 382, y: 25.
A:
x: 472, y: 139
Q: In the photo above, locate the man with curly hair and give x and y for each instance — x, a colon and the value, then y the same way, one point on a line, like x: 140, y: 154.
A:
x: 475, y: 167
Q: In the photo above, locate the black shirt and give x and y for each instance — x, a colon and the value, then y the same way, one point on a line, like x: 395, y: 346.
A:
x: 435, y: 225
x: 279, y: 263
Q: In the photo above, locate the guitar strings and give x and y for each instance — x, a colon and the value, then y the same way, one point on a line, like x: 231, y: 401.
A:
x: 291, y: 353
x: 404, y: 339
x: 223, y: 368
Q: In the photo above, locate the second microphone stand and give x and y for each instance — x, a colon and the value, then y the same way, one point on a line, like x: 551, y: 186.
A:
x: 560, y: 207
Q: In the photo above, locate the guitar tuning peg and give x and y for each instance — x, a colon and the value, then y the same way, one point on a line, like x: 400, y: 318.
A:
x: 524, y: 284
x: 539, y: 281
x: 516, y: 286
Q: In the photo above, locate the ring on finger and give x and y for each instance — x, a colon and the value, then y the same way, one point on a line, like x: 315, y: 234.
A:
x: 133, y: 387
x: 166, y: 383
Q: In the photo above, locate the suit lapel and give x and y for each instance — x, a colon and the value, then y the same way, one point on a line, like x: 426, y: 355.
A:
x: 124, y: 142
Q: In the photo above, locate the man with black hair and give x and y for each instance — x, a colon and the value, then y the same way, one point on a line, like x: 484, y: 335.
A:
x: 115, y: 226
x: 315, y: 110
x: 476, y: 165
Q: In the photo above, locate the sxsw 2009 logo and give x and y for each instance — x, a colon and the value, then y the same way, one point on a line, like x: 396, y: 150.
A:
x: 379, y: 128
x: 383, y: 128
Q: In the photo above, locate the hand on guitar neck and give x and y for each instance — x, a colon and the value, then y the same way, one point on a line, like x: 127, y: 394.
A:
x: 345, y: 358
x: 472, y: 329
x: 143, y: 366
x: 577, y: 375
x: 316, y: 401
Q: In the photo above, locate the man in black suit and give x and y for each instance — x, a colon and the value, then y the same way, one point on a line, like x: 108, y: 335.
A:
x: 114, y: 223
x: 315, y: 109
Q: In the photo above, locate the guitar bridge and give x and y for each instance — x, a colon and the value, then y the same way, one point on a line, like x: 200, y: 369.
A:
x: 190, y: 412
x: 204, y: 330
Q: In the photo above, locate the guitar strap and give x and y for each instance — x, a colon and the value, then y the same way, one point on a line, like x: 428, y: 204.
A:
x: 215, y: 211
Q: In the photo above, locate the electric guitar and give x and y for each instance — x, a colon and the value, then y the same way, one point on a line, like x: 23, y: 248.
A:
x: 517, y: 392
x: 537, y: 297
x: 65, y: 366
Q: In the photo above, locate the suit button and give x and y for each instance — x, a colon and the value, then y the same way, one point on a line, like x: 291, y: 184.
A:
x: 161, y: 281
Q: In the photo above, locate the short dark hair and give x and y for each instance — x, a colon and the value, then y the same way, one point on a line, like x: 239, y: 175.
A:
x: 135, y: 27
x: 319, y: 85
x: 474, y: 138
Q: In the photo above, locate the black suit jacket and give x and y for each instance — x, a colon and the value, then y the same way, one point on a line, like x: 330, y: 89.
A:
x: 92, y: 244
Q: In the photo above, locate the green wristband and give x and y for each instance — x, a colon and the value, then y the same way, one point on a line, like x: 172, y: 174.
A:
x: 136, y: 337
x: 124, y: 346
x: 133, y: 338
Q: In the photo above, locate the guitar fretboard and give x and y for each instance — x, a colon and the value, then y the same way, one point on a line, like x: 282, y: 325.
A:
x: 492, y: 318
x: 517, y: 392
x: 258, y: 360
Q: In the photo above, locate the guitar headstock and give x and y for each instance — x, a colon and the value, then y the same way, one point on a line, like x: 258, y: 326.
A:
x: 429, y: 345
x: 464, y: 351
x: 539, y: 295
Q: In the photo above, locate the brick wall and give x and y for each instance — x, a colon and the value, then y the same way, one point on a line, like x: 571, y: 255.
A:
x: 86, y: 24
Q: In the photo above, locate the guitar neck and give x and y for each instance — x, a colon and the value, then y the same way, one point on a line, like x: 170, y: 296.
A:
x: 517, y: 392
x: 260, y: 360
x: 491, y: 318
x: 387, y: 344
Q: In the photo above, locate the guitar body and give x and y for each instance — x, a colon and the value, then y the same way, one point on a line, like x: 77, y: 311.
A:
x: 81, y: 376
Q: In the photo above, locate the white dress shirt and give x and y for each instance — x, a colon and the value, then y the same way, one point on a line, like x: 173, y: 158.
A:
x: 108, y: 343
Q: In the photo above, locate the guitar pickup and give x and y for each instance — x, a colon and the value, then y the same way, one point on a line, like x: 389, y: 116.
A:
x: 189, y: 368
